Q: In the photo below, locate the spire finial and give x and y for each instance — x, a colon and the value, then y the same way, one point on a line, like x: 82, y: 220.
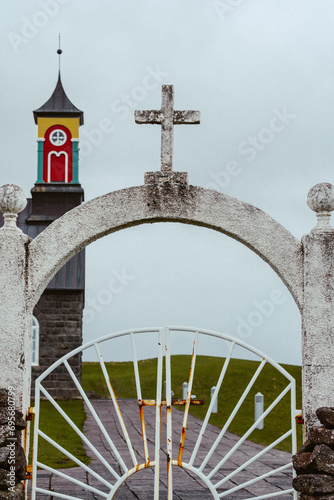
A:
x: 59, y: 51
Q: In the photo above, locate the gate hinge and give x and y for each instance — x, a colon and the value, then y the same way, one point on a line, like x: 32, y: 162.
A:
x: 30, y: 413
x: 29, y: 471
x: 299, y: 417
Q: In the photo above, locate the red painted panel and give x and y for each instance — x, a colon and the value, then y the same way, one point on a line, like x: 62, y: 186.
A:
x: 58, y: 167
x: 57, y: 155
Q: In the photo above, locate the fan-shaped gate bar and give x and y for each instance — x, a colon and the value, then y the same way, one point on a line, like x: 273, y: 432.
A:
x: 209, y: 468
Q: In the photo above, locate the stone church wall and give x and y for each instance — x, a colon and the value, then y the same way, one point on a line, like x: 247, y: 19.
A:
x: 59, y: 314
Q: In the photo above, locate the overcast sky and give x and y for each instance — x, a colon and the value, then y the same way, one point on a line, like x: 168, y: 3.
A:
x: 261, y: 74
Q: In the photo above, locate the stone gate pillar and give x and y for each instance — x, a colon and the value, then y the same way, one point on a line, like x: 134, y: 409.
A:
x: 15, y: 335
x: 318, y: 311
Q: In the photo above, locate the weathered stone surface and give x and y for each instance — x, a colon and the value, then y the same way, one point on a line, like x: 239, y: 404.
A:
x: 167, y: 117
x: 49, y: 251
x: 321, y: 197
x: 57, y: 340
x: 3, y: 479
x: 12, y: 199
x: 3, y: 397
x: 4, y: 454
x: 20, y: 423
x: 314, y: 483
x: 10, y: 455
x: 17, y: 494
x: 300, y: 463
x: 15, y: 331
x: 6, y: 435
x: 155, y: 177
x: 307, y: 447
x: 322, y: 459
x: 199, y: 206
x: 318, y: 324
x: 3, y: 415
x: 188, y: 204
x: 326, y: 416
x: 302, y: 496
x: 321, y: 435
x: 20, y: 463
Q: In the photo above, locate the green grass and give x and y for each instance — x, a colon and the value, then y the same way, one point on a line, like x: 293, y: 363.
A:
x: 270, y: 383
x: 54, y: 425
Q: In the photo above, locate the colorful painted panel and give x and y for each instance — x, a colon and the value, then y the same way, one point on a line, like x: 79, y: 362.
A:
x: 57, y: 155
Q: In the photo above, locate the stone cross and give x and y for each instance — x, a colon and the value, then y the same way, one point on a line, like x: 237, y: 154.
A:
x: 167, y: 117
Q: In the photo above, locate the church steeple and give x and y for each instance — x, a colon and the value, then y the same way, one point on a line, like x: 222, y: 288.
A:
x: 58, y: 122
x: 57, y: 188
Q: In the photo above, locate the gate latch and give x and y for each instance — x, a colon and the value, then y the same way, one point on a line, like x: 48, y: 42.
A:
x: 30, y: 413
x: 299, y: 417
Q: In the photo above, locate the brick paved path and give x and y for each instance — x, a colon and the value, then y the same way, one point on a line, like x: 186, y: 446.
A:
x: 185, y: 485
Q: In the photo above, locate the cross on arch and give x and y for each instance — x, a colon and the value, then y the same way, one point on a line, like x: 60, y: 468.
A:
x: 167, y: 117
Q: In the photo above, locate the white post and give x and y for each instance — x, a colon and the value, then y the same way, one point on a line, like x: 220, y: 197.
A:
x: 215, y: 405
x: 15, y: 334
x: 15, y: 331
x: 258, y: 409
x: 184, y: 390
x: 318, y: 317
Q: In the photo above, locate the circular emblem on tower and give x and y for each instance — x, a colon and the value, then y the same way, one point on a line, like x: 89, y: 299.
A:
x: 58, y: 137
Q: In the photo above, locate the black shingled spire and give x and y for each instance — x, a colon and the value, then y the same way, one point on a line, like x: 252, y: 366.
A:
x: 59, y: 105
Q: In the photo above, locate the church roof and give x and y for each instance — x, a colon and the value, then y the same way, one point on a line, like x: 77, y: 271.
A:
x: 59, y: 105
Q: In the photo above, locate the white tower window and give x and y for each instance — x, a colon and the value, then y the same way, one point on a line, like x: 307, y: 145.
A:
x: 58, y: 137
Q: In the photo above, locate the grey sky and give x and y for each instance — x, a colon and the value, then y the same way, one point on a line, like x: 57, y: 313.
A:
x: 260, y: 72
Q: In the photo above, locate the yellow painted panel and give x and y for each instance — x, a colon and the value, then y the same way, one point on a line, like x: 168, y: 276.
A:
x: 71, y: 123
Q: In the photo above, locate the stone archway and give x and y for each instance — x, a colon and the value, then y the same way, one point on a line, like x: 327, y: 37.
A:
x: 305, y: 267
x: 167, y: 202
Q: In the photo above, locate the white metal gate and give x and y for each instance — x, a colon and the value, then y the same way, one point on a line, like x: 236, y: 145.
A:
x: 209, y: 462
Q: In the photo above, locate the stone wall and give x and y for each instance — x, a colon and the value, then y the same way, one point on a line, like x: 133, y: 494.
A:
x: 59, y: 314
x: 314, y: 463
x: 12, y: 457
